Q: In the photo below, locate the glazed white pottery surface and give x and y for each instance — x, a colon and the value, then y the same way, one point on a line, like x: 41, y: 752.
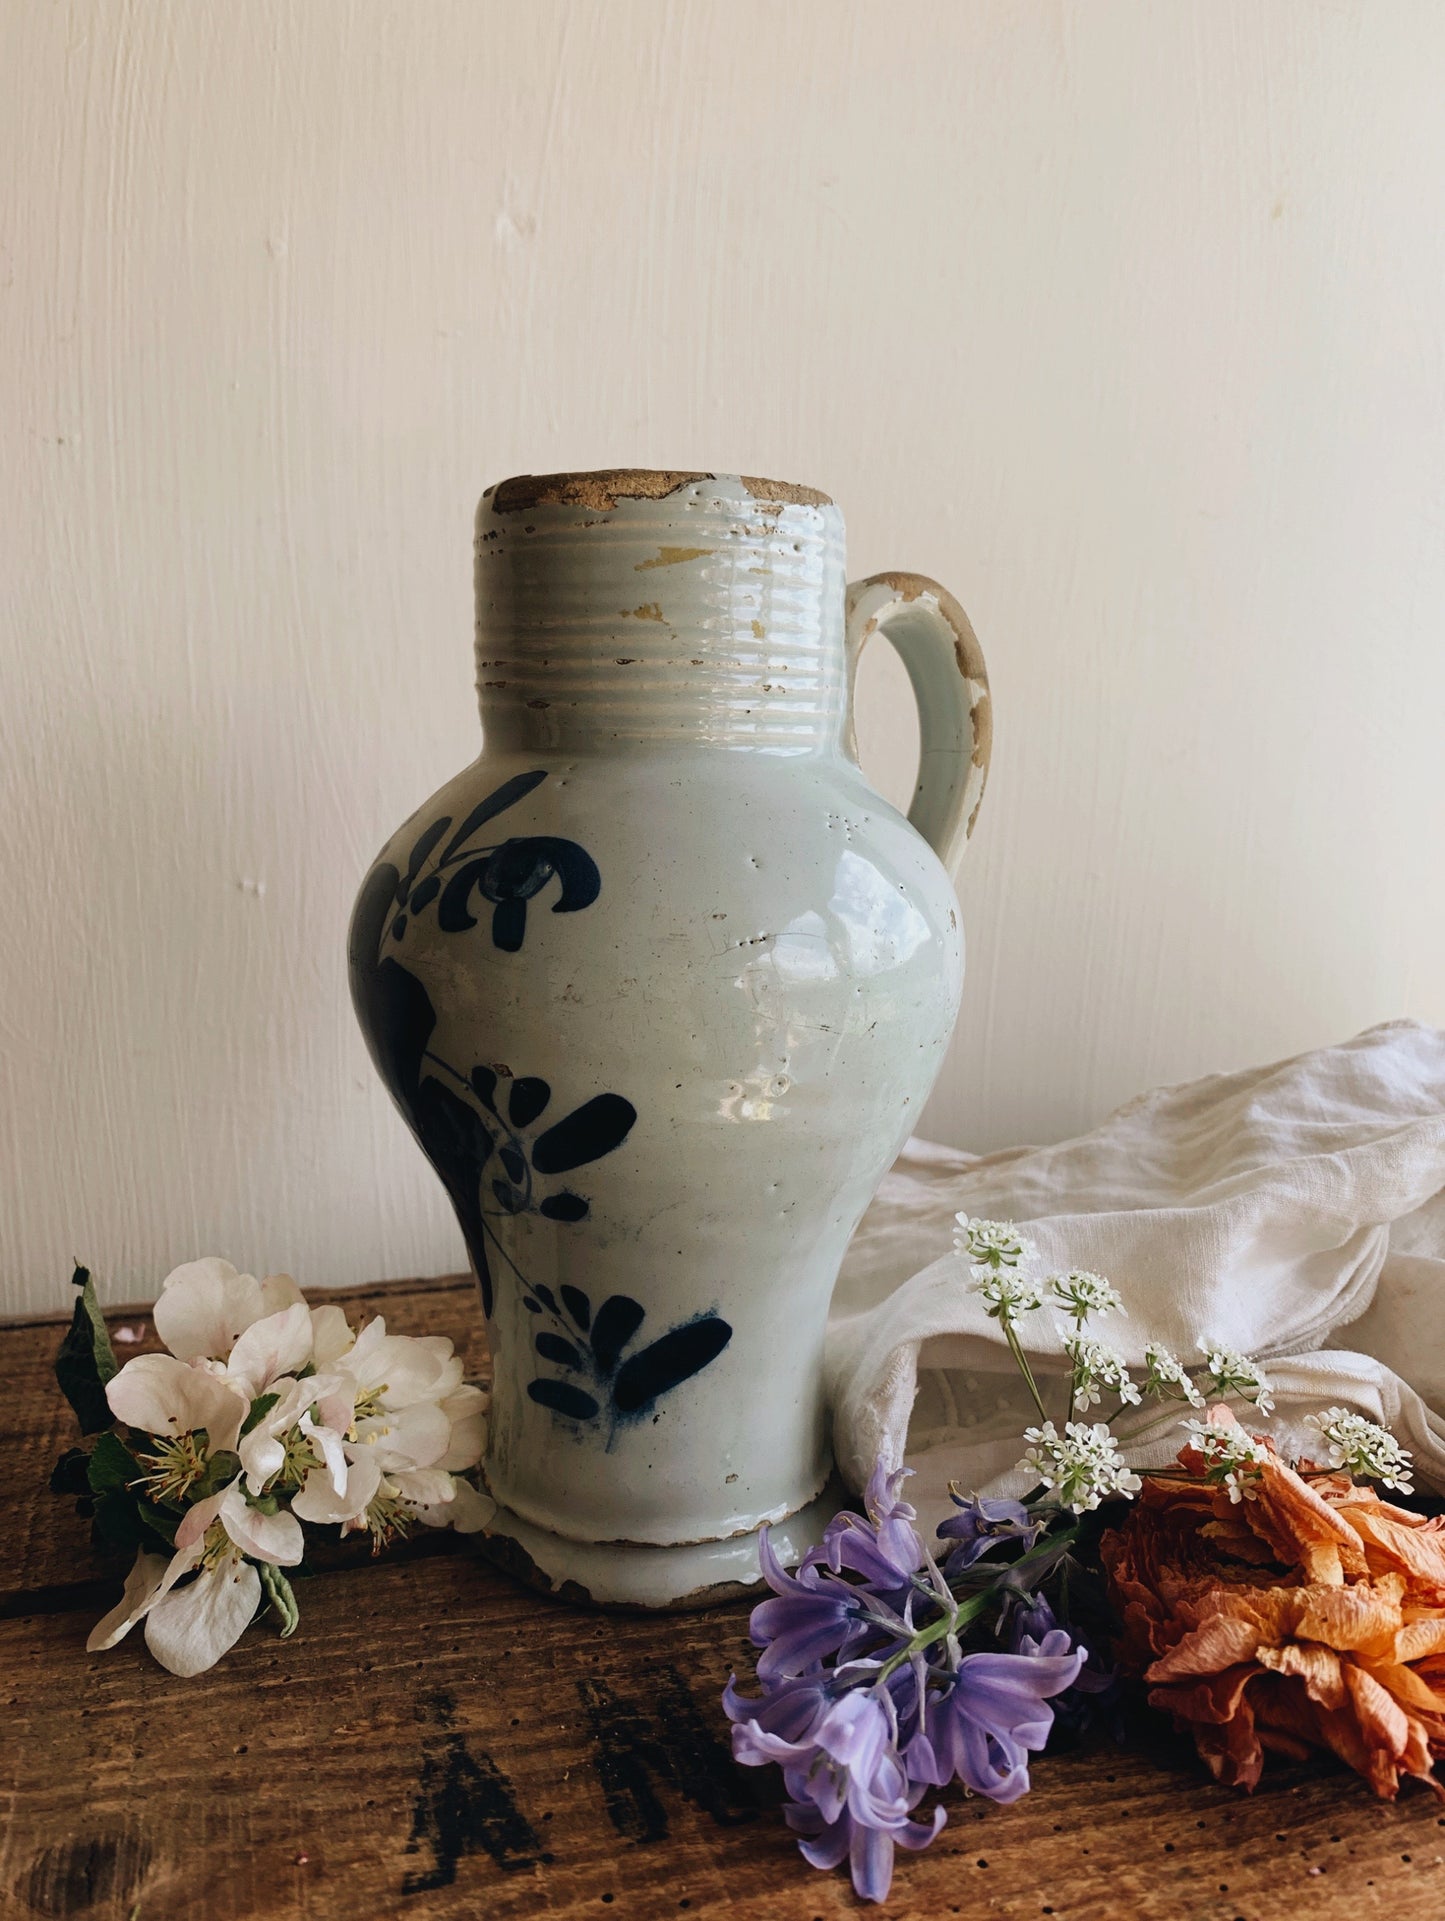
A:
x: 665, y: 995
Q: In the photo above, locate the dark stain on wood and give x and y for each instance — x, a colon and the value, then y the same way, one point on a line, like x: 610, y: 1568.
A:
x: 86, y: 1871
x: 464, y: 1804
x: 671, y: 1742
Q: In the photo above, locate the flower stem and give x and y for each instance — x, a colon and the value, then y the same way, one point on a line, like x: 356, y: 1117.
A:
x: 1022, y: 1362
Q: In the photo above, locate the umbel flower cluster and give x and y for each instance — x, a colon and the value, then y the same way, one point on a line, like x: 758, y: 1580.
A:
x: 890, y: 1668
x: 263, y: 1414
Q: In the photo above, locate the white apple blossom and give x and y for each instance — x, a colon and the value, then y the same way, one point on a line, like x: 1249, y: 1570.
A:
x: 266, y: 1413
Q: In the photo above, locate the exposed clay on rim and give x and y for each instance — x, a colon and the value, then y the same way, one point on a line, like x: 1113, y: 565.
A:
x: 601, y: 491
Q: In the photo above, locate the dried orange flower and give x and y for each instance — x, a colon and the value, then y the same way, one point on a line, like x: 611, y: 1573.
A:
x: 1309, y: 1614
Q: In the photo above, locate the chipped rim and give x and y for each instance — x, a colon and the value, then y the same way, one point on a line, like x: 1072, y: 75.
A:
x: 604, y: 488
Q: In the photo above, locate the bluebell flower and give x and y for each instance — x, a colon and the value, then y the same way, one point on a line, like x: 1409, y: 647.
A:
x: 811, y: 1617
x: 982, y: 1522
x: 983, y: 1726
x: 851, y: 1795
x: 884, y: 1549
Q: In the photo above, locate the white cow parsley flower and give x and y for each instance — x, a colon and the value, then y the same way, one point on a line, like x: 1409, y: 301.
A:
x: 1362, y: 1448
x: 1082, y: 1465
x: 1005, y: 1294
x: 1226, y: 1372
x: 1168, y: 1377
x: 993, y: 1244
x: 1232, y: 1456
x: 1096, y: 1368
x: 1080, y: 1294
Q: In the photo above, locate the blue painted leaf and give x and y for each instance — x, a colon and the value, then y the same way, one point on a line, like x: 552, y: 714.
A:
x: 426, y: 893
x: 484, y: 1085
x: 528, y: 1097
x: 552, y: 1347
x: 564, y: 1207
x: 618, y: 1319
x: 516, y: 1167
x: 577, y: 1305
x: 520, y: 868
x: 509, y: 1199
x: 509, y: 925
x: 545, y: 1295
x: 398, y: 927
x: 587, y: 1133
x: 425, y: 843
x: 532, y: 1307
x: 454, y: 915
x: 563, y: 1398
x: 497, y: 802
x: 459, y: 1144
x: 682, y: 1352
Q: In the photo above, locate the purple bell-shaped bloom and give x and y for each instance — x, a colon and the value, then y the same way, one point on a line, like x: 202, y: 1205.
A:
x: 983, y: 1726
x: 851, y: 1795
x: 884, y: 1549
x: 811, y: 1617
x: 980, y: 1522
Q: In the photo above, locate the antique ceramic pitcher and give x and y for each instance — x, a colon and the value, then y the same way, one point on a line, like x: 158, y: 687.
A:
x: 661, y: 986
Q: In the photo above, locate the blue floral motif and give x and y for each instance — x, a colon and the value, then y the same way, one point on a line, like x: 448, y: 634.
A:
x: 479, y: 1128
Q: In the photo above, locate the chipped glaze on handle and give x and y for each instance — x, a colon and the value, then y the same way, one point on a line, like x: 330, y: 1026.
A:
x: 937, y: 645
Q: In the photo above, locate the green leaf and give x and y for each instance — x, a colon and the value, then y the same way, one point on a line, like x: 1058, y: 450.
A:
x: 159, y: 1520
x: 112, y: 1465
x: 221, y: 1470
x: 277, y: 1590
x: 70, y: 1475
x: 117, y: 1522
x: 259, y: 1409
x: 86, y: 1359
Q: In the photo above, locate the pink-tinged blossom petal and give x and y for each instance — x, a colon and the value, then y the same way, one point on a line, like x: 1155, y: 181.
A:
x: 197, y: 1519
x: 408, y: 1368
x: 331, y: 1334
x: 162, y: 1395
x: 189, y: 1629
x: 318, y: 1500
x: 278, y: 1291
x: 203, y: 1308
x: 280, y: 1344
x: 265, y: 1537
x: 142, y: 1585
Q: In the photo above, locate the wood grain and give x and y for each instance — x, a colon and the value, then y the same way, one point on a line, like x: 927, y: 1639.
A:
x: 439, y: 1745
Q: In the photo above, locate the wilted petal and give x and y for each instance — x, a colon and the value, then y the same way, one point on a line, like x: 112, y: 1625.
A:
x: 466, y: 1409
x: 162, y: 1395
x: 279, y: 1344
x: 468, y: 1510
x: 142, y: 1584
x: 203, y: 1307
x: 190, y: 1629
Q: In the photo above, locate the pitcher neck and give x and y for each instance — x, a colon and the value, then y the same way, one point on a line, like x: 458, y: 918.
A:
x: 667, y: 608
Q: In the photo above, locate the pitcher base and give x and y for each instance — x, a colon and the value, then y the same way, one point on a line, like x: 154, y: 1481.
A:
x: 608, y: 1574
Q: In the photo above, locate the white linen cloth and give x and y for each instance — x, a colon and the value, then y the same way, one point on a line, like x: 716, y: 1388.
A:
x: 1294, y: 1213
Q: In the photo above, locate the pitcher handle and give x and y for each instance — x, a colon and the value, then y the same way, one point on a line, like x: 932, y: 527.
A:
x: 937, y: 645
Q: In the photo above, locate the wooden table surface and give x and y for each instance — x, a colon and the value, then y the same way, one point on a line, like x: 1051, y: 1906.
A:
x: 435, y: 1743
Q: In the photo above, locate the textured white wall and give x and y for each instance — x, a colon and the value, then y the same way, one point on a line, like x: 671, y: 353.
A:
x: 1125, y: 320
